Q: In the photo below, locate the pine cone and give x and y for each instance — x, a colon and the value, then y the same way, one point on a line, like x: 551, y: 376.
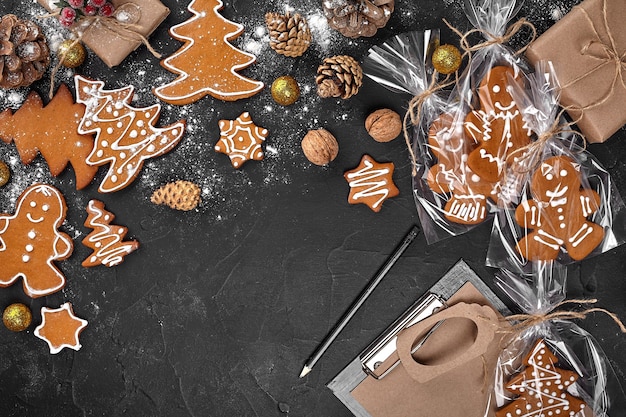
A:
x: 24, y: 55
x: 179, y: 195
x: 339, y: 76
x: 355, y: 18
x: 289, y: 35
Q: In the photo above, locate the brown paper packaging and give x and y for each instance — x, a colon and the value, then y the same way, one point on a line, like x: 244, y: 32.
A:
x: 587, y: 47
x: 113, y: 48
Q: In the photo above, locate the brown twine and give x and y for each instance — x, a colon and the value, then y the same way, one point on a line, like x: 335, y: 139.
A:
x: 492, y: 39
x: 126, y: 31
x: 414, y: 112
x: 527, y: 321
x: 611, y: 55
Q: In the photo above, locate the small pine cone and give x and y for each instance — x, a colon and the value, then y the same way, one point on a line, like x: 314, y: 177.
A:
x: 24, y: 54
x: 289, y: 35
x: 339, y: 76
x: 356, y: 18
x: 179, y: 195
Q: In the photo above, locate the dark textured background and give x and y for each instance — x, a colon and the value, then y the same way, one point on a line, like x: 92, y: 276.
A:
x: 218, y: 310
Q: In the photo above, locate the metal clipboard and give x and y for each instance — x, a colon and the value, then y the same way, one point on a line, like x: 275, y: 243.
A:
x: 367, y: 362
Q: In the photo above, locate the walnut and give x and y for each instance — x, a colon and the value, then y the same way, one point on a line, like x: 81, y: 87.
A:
x: 383, y: 125
x: 320, y: 146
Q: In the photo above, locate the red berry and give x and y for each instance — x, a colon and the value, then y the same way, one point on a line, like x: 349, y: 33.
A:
x: 97, y: 3
x: 68, y: 14
x: 90, y: 10
x: 107, y: 10
x: 77, y: 4
x: 66, y: 23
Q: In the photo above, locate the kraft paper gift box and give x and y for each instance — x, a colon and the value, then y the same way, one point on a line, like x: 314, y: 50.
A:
x: 144, y: 16
x: 588, y: 50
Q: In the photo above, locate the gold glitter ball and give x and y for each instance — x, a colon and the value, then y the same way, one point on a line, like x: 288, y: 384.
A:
x: 17, y: 317
x: 285, y: 90
x: 446, y: 59
x: 5, y: 173
x: 71, y: 53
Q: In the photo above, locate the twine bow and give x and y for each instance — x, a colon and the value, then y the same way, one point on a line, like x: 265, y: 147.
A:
x: 607, y: 53
x: 527, y: 321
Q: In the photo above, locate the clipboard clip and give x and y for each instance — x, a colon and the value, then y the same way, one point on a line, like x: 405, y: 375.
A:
x: 385, y: 345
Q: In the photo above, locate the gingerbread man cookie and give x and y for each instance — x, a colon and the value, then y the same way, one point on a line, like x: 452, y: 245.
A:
x: 542, y: 388
x: 30, y: 241
x: 451, y: 174
x: 497, y: 126
x: 557, y: 214
x: 371, y: 183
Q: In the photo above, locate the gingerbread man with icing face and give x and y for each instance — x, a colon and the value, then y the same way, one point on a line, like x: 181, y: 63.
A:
x: 30, y: 241
x: 558, y: 212
x: 469, y: 193
x: 497, y: 126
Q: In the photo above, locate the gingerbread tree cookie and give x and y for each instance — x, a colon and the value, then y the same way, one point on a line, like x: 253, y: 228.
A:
x: 30, y: 241
x: 371, y: 183
x: 241, y: 140
x: 106, y: 240
x: 60, y: 328
x: 125, y: 135
x: 207, y: 63
x: 53, y: 131
x: 542, y: 388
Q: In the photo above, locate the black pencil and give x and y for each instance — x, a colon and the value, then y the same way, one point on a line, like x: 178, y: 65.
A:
x: 359, y: 301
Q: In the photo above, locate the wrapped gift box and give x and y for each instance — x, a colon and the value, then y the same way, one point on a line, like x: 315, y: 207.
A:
x: 112, y: 47
x: 588, y: 50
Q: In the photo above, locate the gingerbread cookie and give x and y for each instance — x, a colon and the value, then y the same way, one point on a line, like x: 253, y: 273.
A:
x: 53, y: 131
x: 542, y: 388
x: 557, y: 214
x: 241, y: 140
x: 207, y: 63
x: 125, y: 135
x: 60, y: 328
x: 497, y: 126
x: 467, y: 203
x: 371, y: 183
x: 30, y: 242
x: 107, y: 241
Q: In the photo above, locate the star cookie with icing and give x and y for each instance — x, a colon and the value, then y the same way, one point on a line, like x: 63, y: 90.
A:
x: 371, y: 183
x: 60, y: 328
x: 241, y: 140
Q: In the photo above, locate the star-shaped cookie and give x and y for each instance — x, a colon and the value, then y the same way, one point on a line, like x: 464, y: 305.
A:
x: 241, y: 140
x: 371, y: 183
x: 60, y: 328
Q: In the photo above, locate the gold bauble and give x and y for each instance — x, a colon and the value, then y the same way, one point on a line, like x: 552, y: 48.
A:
x: 5, y: 173
x: 71, y: 53
x: 17, y: 317
x: 446, y: 59
x: 285, y: 90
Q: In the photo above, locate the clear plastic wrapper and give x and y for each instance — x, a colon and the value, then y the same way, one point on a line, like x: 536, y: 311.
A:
x: 550, y: 366
x: 402, y: 64
x: 557, y: 202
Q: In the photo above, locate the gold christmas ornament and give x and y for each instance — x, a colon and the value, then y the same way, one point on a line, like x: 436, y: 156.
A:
x: 179, y: 195
x: 71, y: 53
x: 446, y: 59
x: 5, y: 173
x: 285, y: 90
x: 17, y: 317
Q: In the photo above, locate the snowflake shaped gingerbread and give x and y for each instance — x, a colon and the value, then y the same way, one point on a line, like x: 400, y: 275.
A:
x: 497, y: 126
x: 60, y: 328
x: 557, y: 214
x: 241, y: 140
x: 30, y: 241
x: 543, y: 388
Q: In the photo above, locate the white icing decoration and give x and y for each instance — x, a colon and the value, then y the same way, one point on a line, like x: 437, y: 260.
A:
x: 371, y: 181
